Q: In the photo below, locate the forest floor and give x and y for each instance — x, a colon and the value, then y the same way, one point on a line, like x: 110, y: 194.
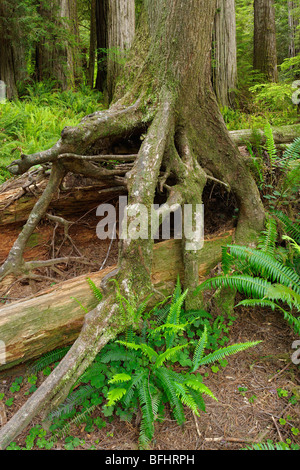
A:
x: 258, y: 391
x: 254, y: 392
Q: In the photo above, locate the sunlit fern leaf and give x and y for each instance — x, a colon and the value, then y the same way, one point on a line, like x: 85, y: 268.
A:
x: 199, y: 387
x: 174, y: 316
x: 266, y: 264
x: 267, y: 239
x: 115, y: 395
x: 48, y: 359
x: 120, y: 378
x: 168, y: 354
x: 227, y: 351
x: 166, y: 381
x: 96, y: 291
x: 270, y: 144
x: 144, y: 348
x: 268, y: 446
x: 284, y: 294
x: 199, y: 350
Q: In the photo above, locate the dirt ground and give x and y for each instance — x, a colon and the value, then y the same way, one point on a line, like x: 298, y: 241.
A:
x: 250, y: 406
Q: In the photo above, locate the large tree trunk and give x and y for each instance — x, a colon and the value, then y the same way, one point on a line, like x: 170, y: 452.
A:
x: 57, y: 55
x: 225, y: 53
x: 265, y: 50
x: 171, y: 103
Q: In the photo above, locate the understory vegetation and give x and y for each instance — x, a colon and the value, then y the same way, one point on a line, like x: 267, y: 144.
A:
x: 152, y: 148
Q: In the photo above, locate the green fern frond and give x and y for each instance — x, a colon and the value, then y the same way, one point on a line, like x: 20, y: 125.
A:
x: 199, y: 350
x: 119, y: 378
x: 268, y: 446
x: 168, y: 354
x: 267, y: 265
x: 267, y: 239
x: 270, y: 144
x: 227, y: 351
x: 166, y: 380
x: 147, y: 422
x: 144, y: 348
x: 251, y: 286
x: 96, y: 291
x: 199, y: 387
x: 115, y: 395
x: 186, y: 398
x: 48, y: 359
x: 174, y: 315
x: 291, y: 228
x: 293, y: 150
x: 135, y: 381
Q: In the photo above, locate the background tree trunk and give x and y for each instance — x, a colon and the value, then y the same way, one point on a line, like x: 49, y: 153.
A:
x: 12, y: 55
x: 93, y: 45
x: 225, y: 53
x: 265, y: 50
x: 57, y: 55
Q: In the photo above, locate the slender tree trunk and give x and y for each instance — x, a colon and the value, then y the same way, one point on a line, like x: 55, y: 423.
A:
x: 225, y: 53
x: 93, y: 45
x: 265, y: 50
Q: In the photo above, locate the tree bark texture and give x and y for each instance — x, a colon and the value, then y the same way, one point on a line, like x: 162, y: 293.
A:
x: 170, y: 103
x: 265, y: 50
x: 57, y: 52
x: 225, y: 53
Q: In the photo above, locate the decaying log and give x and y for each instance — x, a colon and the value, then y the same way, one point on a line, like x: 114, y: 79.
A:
x: 282, y: 135
x: 54, y: 318
x: 18, y: 196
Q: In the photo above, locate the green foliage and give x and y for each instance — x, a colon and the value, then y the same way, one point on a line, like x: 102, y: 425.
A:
x: 265, y: 280
x: 35, y: 122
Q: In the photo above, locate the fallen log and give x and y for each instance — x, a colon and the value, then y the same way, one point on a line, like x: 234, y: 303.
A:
x: 282, y: 135
x: 54, y: 318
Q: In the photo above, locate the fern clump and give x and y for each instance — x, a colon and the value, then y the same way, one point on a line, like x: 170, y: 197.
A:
x: 266, y: 280
x: 138, y: 372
